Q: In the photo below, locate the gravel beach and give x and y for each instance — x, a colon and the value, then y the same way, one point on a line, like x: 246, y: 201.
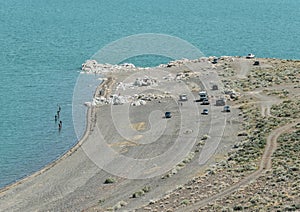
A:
x: 132, y: 157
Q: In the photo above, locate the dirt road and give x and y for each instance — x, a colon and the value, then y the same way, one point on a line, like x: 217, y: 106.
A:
x: 265, y: 164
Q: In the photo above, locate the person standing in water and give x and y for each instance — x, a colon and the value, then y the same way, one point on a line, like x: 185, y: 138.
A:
x: 57, y: 114
x: 60, y: 125
x: 55, y: 118
x: 58, y: 111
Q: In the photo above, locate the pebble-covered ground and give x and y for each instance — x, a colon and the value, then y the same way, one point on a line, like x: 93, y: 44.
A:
x: 276, y: 189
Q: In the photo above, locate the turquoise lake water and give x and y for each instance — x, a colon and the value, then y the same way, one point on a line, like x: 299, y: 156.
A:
x: 43, y: 44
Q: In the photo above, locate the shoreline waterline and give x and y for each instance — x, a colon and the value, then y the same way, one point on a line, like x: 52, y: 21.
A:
x: 90, y: 112
x: 88, y: 121
x: 77, y: 181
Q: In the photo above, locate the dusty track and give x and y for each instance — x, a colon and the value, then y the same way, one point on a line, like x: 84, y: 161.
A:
x: 76, y: 183
x: 265, y: 164
x: 266, y: 161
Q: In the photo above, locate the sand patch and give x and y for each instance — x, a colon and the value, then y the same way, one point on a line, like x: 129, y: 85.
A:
x: 139, y: 126
x: 123, y: 144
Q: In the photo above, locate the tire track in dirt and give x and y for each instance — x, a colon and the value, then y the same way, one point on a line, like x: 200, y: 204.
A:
x: 265, y: 164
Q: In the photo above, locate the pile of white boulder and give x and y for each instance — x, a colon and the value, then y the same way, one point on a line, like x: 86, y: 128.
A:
x: 134, y: 100
x: 92, y: 66
x: 139, y: 82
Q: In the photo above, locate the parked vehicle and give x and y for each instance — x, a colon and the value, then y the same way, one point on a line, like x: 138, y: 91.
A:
x: 183, y: 97
x: 220, y: 102
x: 215, y: 61
x: 203, y: 95
x: 205, y: 112
x: 168, y: 115
x: 256, y: 63
x: 250, y: 56
x: 226, y: 108
x: 205, y: 102
x: 215, y: 87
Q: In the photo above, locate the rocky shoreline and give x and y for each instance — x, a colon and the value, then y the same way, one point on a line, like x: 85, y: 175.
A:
x: 236, y: 166
x: 243, y: 173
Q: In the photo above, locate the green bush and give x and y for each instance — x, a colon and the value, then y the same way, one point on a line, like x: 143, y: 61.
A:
x: 109, y: 180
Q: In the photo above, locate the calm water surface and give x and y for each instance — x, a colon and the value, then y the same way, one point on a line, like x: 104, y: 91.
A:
x: 43, y: 44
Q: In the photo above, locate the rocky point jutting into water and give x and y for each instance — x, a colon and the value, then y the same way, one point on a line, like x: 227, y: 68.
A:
x: 211, y: 134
